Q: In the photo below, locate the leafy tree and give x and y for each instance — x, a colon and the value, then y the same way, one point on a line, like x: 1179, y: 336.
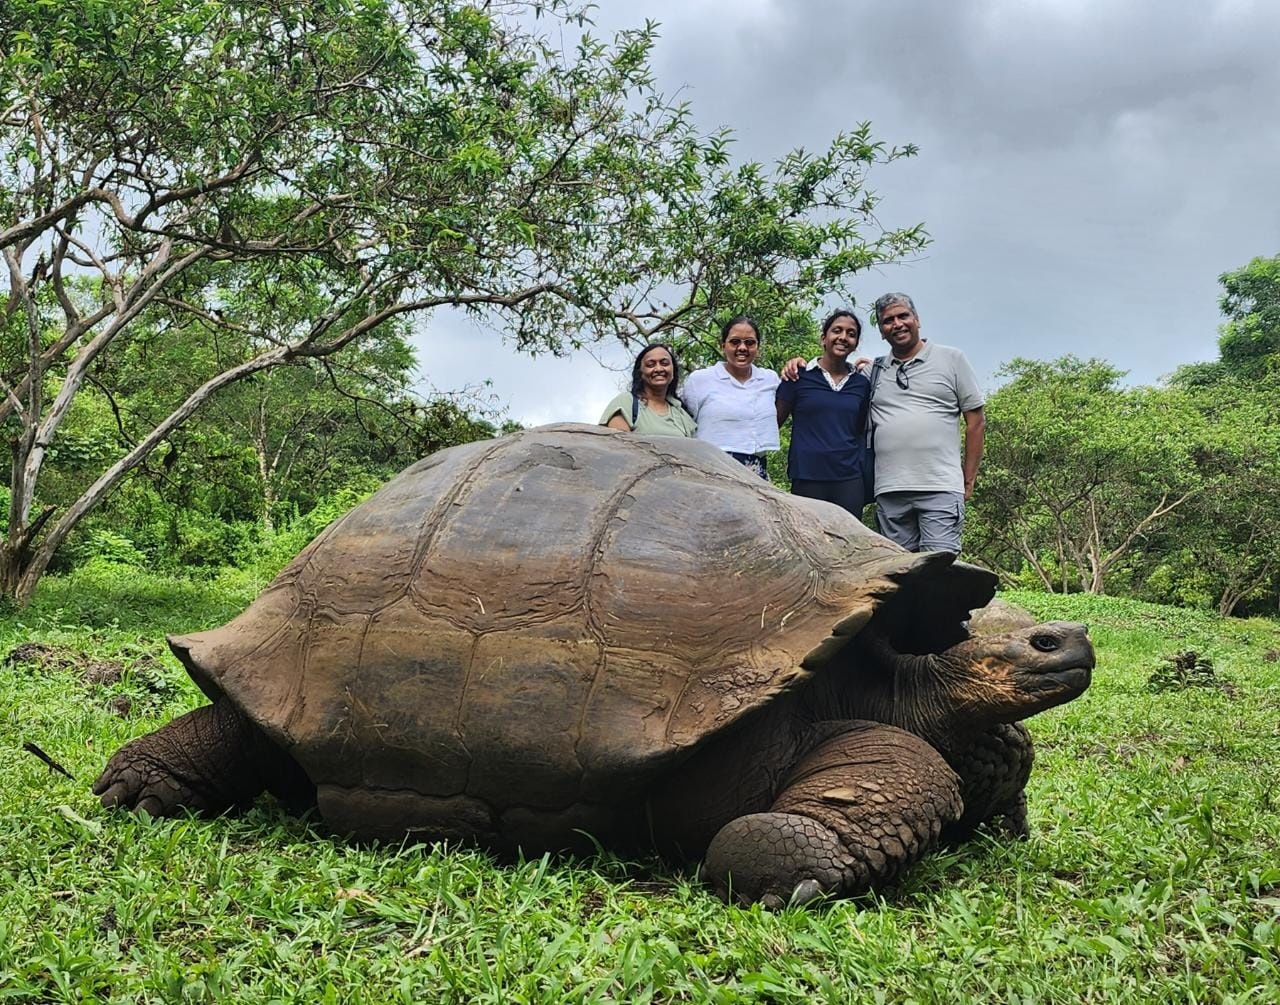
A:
x: 1079, y: 471
x: 288, y: 434
x: 1250, y: 338
x: 266, y: 184
x: 1224, y: 550
x: 266, y: 449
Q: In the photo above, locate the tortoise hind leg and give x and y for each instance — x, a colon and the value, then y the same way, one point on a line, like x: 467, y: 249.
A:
x: 858, y: 809
x: 210, y: 760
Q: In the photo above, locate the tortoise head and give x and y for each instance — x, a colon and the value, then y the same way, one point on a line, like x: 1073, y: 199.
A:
x: 1003, y: 678
x: 944, y: 694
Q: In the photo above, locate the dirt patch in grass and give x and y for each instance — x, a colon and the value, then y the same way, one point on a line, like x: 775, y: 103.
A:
x: 592, y: 903
x: 143, y: 675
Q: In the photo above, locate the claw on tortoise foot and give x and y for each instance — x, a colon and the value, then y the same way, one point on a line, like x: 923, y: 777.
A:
x: 805, y: 891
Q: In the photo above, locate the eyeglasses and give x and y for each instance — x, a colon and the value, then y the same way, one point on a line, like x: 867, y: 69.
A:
x: 742, y: 343
x: 900, y: 375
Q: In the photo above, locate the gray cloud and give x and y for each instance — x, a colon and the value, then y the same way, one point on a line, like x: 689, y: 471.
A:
x: 1087, y: 169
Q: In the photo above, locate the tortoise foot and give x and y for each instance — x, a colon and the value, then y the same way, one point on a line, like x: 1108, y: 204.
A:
x: 197, y: 762
x: 860, y: 807
x: 776, y: 859
x: 1012, y: 819
x: 137, y: 779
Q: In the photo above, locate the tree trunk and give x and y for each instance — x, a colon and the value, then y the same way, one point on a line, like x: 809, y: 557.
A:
x: 1029, y: 554
x: 266, y: 469
x: 10, y: 572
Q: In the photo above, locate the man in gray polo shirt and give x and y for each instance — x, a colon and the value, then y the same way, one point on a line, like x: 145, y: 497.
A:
x: 921, y: 390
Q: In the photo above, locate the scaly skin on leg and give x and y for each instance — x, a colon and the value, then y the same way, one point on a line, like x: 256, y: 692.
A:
x: 209, y: 760
x: 857, y: 810
x: 779, y: 859
x: 993, y: 766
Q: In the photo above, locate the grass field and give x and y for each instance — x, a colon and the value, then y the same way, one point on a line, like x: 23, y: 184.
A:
x: 1152, y: 873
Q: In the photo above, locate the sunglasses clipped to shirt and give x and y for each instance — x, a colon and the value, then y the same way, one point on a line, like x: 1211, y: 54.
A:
x: 900, y: 375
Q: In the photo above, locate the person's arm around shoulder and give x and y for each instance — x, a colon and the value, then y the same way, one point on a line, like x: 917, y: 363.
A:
x: 790, y: 371
x: 784, y: 400
x: 864, y: 405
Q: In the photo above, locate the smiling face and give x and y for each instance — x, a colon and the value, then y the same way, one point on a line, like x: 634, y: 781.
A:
x: 656, y: 369
x: 840, y: 337
x: 900, y: 327
x: 740, y: 345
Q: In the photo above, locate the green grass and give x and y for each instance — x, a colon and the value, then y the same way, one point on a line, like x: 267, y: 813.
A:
x: 1153, y: 872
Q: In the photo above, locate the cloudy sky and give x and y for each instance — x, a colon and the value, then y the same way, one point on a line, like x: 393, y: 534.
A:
x: 1087, y: 168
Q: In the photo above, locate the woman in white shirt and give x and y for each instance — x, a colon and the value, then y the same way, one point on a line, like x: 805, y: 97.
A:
x: 733, y: 401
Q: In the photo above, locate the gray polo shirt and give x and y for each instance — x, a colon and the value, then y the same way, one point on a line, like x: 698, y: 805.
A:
x: 917, y: 432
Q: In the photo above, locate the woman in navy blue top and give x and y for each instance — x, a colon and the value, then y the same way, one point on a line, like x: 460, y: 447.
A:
x: 827, y: 406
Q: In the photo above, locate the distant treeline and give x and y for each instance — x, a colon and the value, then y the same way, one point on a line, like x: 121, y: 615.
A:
x: 1167, y: 493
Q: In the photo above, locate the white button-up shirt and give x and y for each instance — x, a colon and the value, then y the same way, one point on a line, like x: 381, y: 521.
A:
x: 738, y: 416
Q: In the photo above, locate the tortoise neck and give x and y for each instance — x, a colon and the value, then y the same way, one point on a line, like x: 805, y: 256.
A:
x: 917, y: 693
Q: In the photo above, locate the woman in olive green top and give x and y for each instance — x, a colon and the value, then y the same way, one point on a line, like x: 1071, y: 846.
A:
x: 651, y: 406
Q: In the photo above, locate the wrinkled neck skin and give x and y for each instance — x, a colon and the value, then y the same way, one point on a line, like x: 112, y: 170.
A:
x: 922, y: 694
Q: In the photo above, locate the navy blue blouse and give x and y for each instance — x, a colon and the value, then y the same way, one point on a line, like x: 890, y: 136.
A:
x: 827, y: 427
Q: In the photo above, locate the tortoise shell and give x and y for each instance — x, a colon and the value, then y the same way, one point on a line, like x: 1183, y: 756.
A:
x: 547, y: 620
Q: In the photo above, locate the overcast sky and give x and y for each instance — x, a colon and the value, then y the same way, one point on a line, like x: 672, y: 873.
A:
x: 1087, y: 168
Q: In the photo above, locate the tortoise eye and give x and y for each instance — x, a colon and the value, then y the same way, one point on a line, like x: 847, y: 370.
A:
x: 1045, y: 643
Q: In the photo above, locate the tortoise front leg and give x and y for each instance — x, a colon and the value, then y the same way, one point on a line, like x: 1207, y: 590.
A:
x: 859, y: 808
x: 210, y: 760
x: 993, y: 766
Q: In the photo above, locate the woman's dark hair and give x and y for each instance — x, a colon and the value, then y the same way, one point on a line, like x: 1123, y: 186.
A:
x: 842, y: 313
x: 637, y: 384
x: 741, y: 319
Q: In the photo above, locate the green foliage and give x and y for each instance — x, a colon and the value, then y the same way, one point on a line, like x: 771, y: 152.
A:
x: 103, y: 545
x: 1170, y: 493
x: 1078, y: 471
x: 1150, y: 874
x: 1226, y: 547
x: 104, y: 599
x: 1250, y: 341
x: 277, y: 550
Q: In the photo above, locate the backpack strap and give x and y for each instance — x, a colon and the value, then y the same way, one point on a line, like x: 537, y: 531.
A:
x: 635, y: 410
x: 876, y: 368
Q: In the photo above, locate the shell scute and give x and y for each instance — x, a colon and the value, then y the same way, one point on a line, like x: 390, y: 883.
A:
x: 524, y: 724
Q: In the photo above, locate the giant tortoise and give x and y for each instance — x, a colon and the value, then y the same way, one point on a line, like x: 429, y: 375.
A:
x: 571, y: 634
